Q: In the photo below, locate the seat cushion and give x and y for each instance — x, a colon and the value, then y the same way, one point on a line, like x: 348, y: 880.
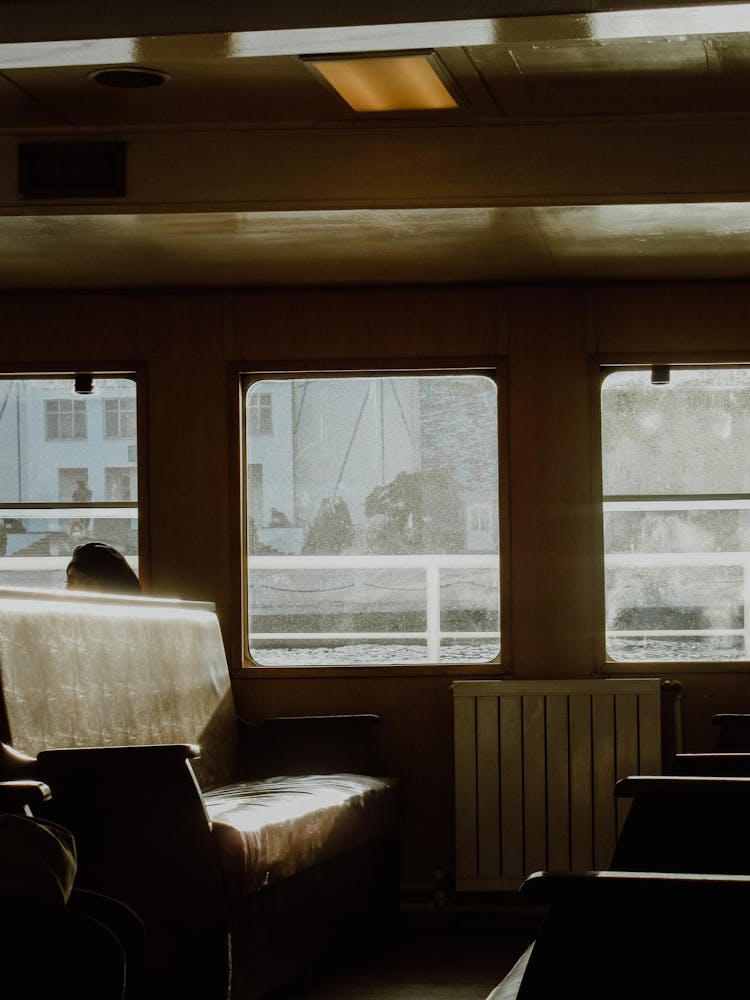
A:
x: 268, y: 830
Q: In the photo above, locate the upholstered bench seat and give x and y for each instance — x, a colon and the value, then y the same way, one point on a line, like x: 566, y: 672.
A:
x: 271, y: 829
x: 243, y: 880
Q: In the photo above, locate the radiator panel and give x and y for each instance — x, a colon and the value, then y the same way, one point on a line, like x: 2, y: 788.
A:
x: 535, y: 767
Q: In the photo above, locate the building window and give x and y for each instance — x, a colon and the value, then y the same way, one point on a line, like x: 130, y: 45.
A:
x: 73, y: 484
x: 60, y: 487
x: 120, y: 484
x: 481, y: 526
x: 119, y: 418
x: 359, y: 541
x: 65, y: 420
x: 260, y: 413
x: 676, y: 487
x: 255, y: 495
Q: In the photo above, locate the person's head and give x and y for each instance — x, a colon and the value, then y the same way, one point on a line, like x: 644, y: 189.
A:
x: 99, y: 567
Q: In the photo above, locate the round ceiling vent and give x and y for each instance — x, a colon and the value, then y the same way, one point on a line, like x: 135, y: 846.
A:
x: 129, y: 77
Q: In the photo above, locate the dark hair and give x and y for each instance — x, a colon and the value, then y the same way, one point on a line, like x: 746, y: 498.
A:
x: 104, y: 568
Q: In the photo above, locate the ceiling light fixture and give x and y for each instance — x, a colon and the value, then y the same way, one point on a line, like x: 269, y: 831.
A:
x: 129, y: 77
x: 83, y: 385
x: 659, y: 374
x: 403, y: 81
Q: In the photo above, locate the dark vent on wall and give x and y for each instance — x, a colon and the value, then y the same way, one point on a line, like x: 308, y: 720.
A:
x: 71, y: 170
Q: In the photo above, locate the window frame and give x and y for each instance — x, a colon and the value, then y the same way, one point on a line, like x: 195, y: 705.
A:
x: 241, y: 376
x: 602, y: 365
x: 134, y: 371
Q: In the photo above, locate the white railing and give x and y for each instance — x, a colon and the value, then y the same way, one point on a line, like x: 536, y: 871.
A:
x: 431, y: 565
x: 669, y: 560
x: 674, y: 560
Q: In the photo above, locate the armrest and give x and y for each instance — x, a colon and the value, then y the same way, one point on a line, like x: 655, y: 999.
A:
x: 14, y: 764
x: 16, y: 795
x: 141, y: 827
x: 551, y: 887
x: 311, y: 744
x: 131, y: 769
x: 688, y: 787
x: 97, y: 786
x: 126, y: 756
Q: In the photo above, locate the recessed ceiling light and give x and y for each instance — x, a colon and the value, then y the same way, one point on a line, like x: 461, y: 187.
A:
x: 404, y: 81
x: 129, y: 77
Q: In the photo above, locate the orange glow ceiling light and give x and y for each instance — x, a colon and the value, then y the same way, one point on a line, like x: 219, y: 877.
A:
x: 403, y: 81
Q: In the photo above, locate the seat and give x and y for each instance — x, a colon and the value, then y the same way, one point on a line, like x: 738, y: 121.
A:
x: 56, y: 941
x: 248, y: 864
x: 678, y: 885
x: 619, y: 935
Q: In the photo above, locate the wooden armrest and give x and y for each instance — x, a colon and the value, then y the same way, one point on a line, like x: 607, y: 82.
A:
x: 14, y: 764
x: 681, y: 786
x: 139, y: 821
x: 548, y: 887
x: 135, y: 774
x: 15, y: 795
x: 126, y: 756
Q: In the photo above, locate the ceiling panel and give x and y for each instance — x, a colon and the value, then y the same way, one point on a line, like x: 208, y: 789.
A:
x: 642, y: 76
x: 18, y: 108
x: 649, y: 241
x: 205, y: 91
x: 242, y: 123
x: 408, y: 246
x: 223, y: 249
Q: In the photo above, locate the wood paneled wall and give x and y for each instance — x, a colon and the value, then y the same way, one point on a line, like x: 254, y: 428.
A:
x: 189, y: 345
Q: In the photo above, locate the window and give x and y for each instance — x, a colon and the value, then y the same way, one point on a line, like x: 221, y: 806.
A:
x: 119, y: 418
x: 358, y: 520
x: 65, y: 419
x: 60, y: 486
x: 255, y: 494
x: 260, y: 413
x: 73, y: 484
x: 676, y: 485
x: 120, y: 484
x: 481, y: 526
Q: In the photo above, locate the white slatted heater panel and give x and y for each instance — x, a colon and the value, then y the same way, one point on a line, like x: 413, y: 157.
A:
x: 535, y: 768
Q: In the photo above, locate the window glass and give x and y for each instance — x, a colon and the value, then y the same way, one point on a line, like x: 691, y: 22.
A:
x: 676, y: 476
x: 372, y: 520
x: 119, y: 417
x: 65, y: 419
x: 260, y: 413
x: 68, y: 469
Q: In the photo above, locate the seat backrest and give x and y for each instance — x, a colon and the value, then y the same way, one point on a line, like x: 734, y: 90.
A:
x: 648, y: 935
x: 684, y: 824
x: 82, y: 670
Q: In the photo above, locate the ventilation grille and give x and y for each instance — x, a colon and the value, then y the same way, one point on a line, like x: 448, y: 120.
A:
x: 72, y: 170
